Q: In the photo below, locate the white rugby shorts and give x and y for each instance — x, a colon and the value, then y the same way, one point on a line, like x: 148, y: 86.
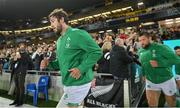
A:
x: 168, y: 87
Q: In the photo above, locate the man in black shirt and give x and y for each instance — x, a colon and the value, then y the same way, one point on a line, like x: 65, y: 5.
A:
x: 19, y: 69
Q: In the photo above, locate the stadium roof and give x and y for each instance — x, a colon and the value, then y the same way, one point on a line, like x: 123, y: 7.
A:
x: 35, y: 9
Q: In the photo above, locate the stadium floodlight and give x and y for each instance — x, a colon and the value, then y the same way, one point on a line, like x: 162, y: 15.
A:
x: 101, y: 31
x: 129, y: 28
x: 148, y: 23
x: 169, y: 23
x: 177, y: 19
x: 97, y: 15
x: 108, y: 30
x: 117, y: 10
x: 140, y: 3
x: 169, y: 20
x: 80, y: 19
x: 106, y: 13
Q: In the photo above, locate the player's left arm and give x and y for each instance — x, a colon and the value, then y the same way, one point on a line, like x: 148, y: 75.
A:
x: 169, y: 55
x: 92, y: 51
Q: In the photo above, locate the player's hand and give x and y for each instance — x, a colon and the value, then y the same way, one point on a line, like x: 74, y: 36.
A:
x: 75, y: 73
x: 154, y: 63
x: 144, y: 78
x: 132, y: 50
x: 96, y: 67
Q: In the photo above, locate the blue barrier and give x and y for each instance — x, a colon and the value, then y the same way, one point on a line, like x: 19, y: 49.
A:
x: 172, y: 44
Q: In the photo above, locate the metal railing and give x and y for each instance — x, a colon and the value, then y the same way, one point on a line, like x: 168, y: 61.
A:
x: 36, y: 72
x: 129, y: 99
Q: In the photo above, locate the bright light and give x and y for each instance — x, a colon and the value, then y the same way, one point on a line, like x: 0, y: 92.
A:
x: 129, y: 7
x: 178, y: 21
x: 86, y: 18
x: 105, y: 13
x: 80, y: 19
x: 169, y: 23
x: 177, y: 18
x: 169, y: 20
x: 148, y: 23
x: 117, y: 10
x: 40, y: 38
x: 129, y: 28
x: 124, y: 9
x: 101, y: 31
x: 90, y: 17
x: 140, y: 3
x: 108, y: 30
x: 74, y: 20
x: 97, y: 15
x: 44, y: 21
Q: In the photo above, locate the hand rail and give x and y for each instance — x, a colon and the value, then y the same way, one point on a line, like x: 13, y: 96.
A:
x: 53, y: 73
x: 57, y: 73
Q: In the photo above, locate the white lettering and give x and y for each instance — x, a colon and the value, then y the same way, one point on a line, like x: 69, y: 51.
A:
x: 93, y: 102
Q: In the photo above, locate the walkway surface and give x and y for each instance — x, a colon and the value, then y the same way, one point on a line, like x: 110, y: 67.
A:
x: 5, y: 103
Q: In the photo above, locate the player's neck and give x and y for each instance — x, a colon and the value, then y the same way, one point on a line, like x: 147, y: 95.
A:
x: 64, y: 29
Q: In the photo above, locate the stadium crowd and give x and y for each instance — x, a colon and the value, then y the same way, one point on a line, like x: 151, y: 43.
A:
x: 42, y: 54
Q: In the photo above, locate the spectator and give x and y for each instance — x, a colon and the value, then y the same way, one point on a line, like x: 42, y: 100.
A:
x: 119, y: 60
x: 108, y: 38
x: 1, y: 63
x: 44, y: 64
x: 12, y: 80
x: 30, y: 51
x: 123, y: 36
x: 51, y: 55
x: 177, y: 66
x: 103, y: 63
x: 37, y: 57
x: 176, y: 34
x: 19, y: 69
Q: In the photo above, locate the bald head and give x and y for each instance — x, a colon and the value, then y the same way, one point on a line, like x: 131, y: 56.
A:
x: 119, y: 42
